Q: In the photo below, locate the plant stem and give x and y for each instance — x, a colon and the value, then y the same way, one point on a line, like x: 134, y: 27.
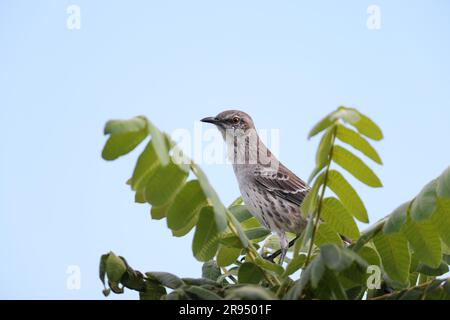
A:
x: 282, y: 288
x: 319, y: 208
x: 422, y: 286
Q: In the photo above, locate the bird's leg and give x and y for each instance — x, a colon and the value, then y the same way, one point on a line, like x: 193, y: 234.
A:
x: 284, y: 244
x: 274, y: 255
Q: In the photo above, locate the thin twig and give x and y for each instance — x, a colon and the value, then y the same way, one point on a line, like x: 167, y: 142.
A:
x: 386, y: 296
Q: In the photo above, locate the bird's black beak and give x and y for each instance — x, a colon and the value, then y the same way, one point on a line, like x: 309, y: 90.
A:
x: 212, y: 120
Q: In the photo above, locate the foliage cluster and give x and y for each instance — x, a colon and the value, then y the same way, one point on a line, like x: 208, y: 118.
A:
x: 410, y: 247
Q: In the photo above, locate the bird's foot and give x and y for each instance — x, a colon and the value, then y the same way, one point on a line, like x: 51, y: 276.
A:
x: 275, y: 255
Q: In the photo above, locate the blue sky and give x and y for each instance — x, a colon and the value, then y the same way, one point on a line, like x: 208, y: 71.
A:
x: 286, y: 63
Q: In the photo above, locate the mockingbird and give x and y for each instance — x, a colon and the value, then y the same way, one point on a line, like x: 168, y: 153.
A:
x: 272, y: 193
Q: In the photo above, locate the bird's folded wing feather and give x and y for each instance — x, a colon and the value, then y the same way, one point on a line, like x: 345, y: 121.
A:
x: 282, y: 183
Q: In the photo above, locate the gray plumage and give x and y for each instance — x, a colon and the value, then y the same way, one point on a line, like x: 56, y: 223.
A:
x: 272, y: 193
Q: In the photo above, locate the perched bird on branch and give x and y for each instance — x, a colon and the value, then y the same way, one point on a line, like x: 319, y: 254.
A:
x: 271, y: 192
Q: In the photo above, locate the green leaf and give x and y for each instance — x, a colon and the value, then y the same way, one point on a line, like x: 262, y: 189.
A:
x: 158, y: 213
x: 330, y: 287
x: 315, y: 172
x: 356, y: 293
x: 124, y: 126
x: 295, y: 265
x: 368, y: 235
x: 324, y: 124
x: 397, y: 219
x: 272, y: 242
x: 165, y: 184
x: 114, y: 267
x: 323, y: 154
x: 251, y: 223
x: 249, y: 292
x: 350, y: 256
x: 231, y: 240
x: 153, y: 291
x: 395, y: 256
x: 443, y: 184
x: 338, y: 218
x: 186, y: 229
x: 146, y: 166
x: 331, y: 256
x: 323, y: 151
x: 119, y: 145
x: 176, y: 154
x: 159, y: 142
x: 114, y: 287
x: 241, y: 213
x: 425, y: 203
x: 297, y: 289
x: 166, y: 279
x: 106, y: 292
x: 206, y: 237
x: 356, y: 167
x: 317, y: 271
x: 199, y: 282
x: 270, y: 266
x: 257, y: 233
x: 306, y: 236
x: 362, y: 123
x: 309, y: 204
x: 186, y: 206
x: 348, y: 196
x: 334, y: 259
x: 139, y: 196
x: 133, y: 280
x: 352, y: 138
x: 124, y: 136
x: 441, y: 220
x: 250, y: 273
x: 425, y: 242
x: 434, y: 272
x: 210, y: 270
x: 210, y: 193
x: 202, y: 294
x: 242, y: 236
x: 370, y: 256
x: 176, y: 295
x: 227, y: 256
x: 326, y: 235
x: 102, y: 269
x: 238, y: 201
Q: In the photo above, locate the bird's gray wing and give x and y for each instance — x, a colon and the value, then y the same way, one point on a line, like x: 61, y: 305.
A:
x: 282, y: 183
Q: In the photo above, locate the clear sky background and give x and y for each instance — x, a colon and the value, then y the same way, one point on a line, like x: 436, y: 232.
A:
x: 287, y: 63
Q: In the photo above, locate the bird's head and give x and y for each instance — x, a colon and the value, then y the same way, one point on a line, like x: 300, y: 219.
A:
x: 234, y: 122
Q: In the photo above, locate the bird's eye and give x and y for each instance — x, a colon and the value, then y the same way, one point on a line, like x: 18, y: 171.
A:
x: 236, y: 120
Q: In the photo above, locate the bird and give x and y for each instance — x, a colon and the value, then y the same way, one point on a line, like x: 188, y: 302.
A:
x: 271, y: 192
